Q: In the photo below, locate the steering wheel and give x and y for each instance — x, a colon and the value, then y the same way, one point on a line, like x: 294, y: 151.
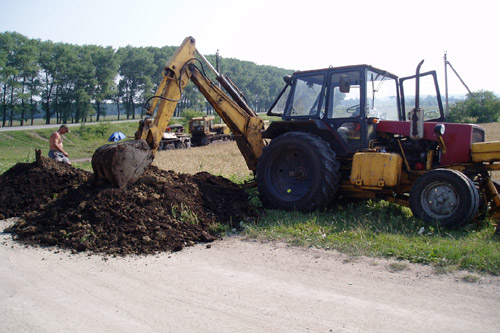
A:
x: 352, y: 109
x: 431, y: 114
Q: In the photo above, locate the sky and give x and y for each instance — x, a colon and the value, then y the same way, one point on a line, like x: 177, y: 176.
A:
x: 393, y: 35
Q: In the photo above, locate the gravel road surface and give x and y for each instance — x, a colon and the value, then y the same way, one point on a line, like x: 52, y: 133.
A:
x: 235, y: 285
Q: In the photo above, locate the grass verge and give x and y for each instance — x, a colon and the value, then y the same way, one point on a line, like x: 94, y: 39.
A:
x: 383, y: 229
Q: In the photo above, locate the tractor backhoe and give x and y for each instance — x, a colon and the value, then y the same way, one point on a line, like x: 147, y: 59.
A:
x: 351, y: 131
x: 123, y: 163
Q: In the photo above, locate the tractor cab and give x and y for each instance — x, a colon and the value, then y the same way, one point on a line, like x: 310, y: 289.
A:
x: 348, y: 103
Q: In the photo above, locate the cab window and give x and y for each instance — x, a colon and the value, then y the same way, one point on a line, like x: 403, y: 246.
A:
x: 345, y: 105
x: 381, y: 98
x: 345, y: 108
x: 430, y: 99
x: 307, y: 96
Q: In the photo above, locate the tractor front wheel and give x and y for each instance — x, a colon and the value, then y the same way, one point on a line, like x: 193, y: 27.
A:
x: 445, y: 196
x: 298, y: 170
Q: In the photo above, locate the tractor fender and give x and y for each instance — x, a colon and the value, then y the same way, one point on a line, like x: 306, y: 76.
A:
x: 316, y: 127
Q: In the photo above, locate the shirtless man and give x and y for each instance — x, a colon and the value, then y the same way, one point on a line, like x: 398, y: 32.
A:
x: 56, y: 145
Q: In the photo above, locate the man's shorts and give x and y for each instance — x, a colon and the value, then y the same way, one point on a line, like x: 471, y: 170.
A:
x: 58, y: 156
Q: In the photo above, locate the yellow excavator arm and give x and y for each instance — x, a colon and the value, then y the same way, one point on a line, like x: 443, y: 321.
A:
x: 242, y: 121
x: 123, y: 163
x: 167, y: 95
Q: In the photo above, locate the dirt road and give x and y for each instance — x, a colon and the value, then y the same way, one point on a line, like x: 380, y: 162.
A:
x: 235, y: 286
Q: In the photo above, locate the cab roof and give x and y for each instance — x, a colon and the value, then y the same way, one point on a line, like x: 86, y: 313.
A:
x: 346, y: 68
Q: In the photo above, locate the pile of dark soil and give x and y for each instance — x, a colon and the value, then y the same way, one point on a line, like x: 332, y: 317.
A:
x: 163, y: 211
x: 28, y: 187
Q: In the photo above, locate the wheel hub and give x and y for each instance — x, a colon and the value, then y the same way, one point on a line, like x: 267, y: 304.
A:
x: 440, y: 199
x: 298, y: 173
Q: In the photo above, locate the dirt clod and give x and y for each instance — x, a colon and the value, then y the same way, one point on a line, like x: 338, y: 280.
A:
x: 163, y: 211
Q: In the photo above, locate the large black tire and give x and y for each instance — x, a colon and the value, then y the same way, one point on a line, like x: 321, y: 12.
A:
x: 478, y: 199
x: 298, y: 171
x: 497, y: 228
x: 180, y: 145
x: 445, y: 196
x: 497, y: 185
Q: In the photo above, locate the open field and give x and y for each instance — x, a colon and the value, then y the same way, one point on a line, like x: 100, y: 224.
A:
x: 221, y: 159
x: 492, y: 131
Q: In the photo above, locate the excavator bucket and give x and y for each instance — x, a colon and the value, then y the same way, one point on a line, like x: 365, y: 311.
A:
x: 122, y: 164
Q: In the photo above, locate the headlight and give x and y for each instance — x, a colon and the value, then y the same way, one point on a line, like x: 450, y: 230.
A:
x: 439, y: 129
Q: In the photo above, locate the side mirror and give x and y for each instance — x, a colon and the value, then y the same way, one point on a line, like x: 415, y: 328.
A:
x: 344, y: 84
x: 288, y: 80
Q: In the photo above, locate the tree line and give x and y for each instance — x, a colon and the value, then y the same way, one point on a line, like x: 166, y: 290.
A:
x: 481, y: 106
x: 73, y: 83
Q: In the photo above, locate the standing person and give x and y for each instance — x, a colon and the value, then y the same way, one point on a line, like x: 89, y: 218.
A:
x: 56, y: 145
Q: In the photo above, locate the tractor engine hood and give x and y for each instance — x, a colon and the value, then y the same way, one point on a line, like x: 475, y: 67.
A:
x: 457, y: 137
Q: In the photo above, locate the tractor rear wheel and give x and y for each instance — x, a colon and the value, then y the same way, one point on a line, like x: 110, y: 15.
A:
x: 497, y: 228
x: 497, y: 185
x: 445, y: 196
x: 299, y: 171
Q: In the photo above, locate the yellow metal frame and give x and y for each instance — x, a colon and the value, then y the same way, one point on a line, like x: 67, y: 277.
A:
x: 247, y: 128
x: 485, y: 151
x: 167, y: 94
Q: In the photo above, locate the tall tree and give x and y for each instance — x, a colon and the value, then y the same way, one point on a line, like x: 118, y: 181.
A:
x: 136, y: 69
x: 72, y: 82
x: 160, y: 57
x: 53, y: 59
x: 27, y: 60
x: 479, y: 107
x: 6, y: 70
x: 106, y: 68
x: 85, y: 82
x: 65, y: 76
x: 10, y: 43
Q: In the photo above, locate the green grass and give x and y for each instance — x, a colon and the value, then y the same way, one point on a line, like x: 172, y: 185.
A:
x: 382, y: 229
x: 19, y: 146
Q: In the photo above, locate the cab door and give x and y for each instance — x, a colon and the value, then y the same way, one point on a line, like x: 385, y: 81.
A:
x: 429, y: 96
x: 345, y: 109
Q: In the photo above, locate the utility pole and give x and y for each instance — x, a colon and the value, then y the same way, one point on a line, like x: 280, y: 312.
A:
x: 446, y: 109
x: 217, y: 63
x: 217, y: 67
x: 446, y: 64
